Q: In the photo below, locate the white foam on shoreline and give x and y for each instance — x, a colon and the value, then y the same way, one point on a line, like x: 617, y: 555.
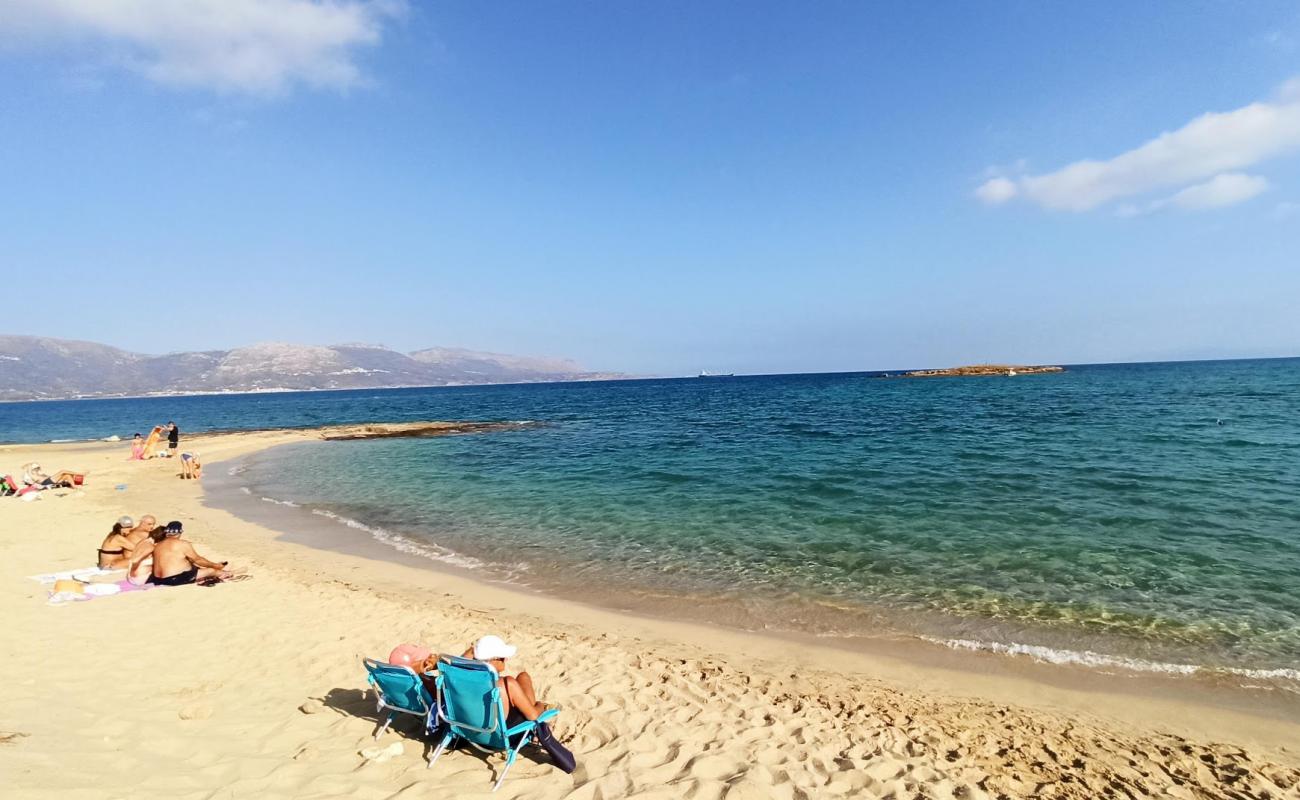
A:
x: 1088, y: 658
x: 404, y: 544
x: 288, y: 503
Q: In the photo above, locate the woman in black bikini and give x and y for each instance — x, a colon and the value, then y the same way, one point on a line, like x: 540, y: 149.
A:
x: 115, y: 552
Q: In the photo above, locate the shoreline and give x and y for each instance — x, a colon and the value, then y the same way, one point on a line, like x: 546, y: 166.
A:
x: 330, y: 533
x: 649, y: 703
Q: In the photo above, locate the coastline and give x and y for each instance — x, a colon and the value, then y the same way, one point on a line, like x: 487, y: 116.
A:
x: 649, y: 704
x: 1253, y: 691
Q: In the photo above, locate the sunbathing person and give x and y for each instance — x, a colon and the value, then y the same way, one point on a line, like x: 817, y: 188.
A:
x: 115, y: 552
x: 176, y: 563
x: 518, y: 694
x: 141, y: 568
x: 142, y: 529
x: 33, y: 475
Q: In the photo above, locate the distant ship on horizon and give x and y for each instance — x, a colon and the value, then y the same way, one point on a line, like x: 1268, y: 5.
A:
x: 706, y: 374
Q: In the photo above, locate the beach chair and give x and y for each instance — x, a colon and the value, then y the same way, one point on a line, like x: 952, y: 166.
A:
x: 400, y: 691
x: 469, y: 708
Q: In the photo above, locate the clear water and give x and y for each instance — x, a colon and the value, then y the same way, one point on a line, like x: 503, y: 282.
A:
x: 1122, y: 514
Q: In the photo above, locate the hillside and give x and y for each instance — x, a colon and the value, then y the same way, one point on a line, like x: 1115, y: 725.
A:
x: 39, y: 368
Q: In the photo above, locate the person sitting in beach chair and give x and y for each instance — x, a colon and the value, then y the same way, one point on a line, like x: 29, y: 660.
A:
x: 517, y: 691
x: 177, y: 563
x: 33, y: 475
x: 190, y: 466
x: 115, y: 552
x: 478, y: 703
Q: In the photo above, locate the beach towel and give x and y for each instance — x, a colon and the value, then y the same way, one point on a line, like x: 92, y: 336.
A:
x: 85, y: 575
x: 151, y: 442
x: 91, y: 591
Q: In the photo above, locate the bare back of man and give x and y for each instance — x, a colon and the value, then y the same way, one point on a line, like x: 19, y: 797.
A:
x: 176, y: 562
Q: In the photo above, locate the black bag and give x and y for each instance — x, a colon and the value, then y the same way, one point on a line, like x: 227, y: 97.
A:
x: 560, y: 755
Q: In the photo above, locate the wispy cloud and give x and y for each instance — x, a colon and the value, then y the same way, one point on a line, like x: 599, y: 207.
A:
x: 1225, y: 189
x: 258, y: 47
x: 1205, y: 152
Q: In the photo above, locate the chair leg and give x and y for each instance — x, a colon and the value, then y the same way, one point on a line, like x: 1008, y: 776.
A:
x: 510, y: 760
x: 384, y: 728
x: 446, y: 740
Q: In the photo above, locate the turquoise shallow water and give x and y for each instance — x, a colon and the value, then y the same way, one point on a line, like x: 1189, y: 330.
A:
x: 1117, y: 515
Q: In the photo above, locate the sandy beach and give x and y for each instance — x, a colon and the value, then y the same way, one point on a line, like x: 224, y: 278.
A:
x: 256, y: 689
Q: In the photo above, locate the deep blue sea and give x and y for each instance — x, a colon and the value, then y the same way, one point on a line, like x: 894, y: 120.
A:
x: 1142, y: 516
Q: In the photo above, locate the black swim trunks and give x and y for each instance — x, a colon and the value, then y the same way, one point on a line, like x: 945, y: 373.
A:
x: 179, y: 579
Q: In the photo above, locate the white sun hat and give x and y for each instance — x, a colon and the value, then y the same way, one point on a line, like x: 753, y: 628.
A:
x: 490, y: 647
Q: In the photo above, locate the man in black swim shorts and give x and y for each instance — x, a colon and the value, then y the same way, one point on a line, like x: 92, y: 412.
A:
x: 176, y: 563
x: 173, y: 438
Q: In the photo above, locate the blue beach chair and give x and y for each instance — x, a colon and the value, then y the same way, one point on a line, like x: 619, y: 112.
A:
x: 400, y: 691
x: 469, y: 708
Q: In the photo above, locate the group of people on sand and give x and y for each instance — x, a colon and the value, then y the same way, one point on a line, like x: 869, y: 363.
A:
x: 518, y: 694
x: 143, y: 448
x: 35, y: 479
x: 156, y: 554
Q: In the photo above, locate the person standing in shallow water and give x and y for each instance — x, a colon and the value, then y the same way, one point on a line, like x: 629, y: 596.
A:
x: 173, y: 438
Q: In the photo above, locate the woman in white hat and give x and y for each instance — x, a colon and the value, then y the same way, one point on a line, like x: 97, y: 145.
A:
x: 517, y: 691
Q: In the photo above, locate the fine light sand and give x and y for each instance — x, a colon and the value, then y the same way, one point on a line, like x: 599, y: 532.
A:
x: 255, y: 689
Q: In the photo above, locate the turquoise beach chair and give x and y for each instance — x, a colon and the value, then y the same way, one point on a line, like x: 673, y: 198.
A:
x: 469, y: 708
x: 400, y: 691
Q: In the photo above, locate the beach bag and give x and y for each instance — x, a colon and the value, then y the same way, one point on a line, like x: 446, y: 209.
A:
x: 560, y: 755
x: 8, y: 486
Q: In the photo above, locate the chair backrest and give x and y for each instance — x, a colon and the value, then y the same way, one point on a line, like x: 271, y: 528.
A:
x: 469, y: 701
x: 399, y: 687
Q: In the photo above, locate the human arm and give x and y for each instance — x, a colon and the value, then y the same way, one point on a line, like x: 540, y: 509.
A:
x: 199, y: 561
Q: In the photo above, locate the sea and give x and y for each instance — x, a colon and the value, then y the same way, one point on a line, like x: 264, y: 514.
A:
x: 1140, y: 518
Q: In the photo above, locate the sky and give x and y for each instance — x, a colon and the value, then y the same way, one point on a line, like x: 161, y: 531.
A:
x: 657, y: 187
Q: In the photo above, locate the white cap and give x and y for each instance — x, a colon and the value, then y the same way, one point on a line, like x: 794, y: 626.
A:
x: 490, y: 647
x: 126, y: 522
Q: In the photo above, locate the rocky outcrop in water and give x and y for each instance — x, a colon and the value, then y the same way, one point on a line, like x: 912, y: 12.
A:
x: 980, y: 370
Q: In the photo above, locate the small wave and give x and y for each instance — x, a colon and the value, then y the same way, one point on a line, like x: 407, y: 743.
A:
x: 405, y: 544
x: 1088, y: 658
x: 238, y: 469
x: 288, y: 503
x: 245, y: 490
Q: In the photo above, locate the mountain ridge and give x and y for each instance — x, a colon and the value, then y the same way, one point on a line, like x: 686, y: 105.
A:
x: 48, y: 368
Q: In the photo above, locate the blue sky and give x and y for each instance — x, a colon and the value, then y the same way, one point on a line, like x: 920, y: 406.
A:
x: 657, y: 187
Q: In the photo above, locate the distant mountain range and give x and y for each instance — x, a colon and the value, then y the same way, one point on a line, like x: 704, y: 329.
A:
x: 38, y: 368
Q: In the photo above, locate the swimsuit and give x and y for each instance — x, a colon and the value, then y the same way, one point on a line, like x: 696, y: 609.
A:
x: 179, y: 579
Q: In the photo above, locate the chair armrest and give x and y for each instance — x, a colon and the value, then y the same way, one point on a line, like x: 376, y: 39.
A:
x: 527, y: 724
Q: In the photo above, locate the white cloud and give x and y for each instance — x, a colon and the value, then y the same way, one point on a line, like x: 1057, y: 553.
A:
x: 261, y: 47
x: 996, y: 190
x: 1208, y: 146
x: 1222, y: 190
